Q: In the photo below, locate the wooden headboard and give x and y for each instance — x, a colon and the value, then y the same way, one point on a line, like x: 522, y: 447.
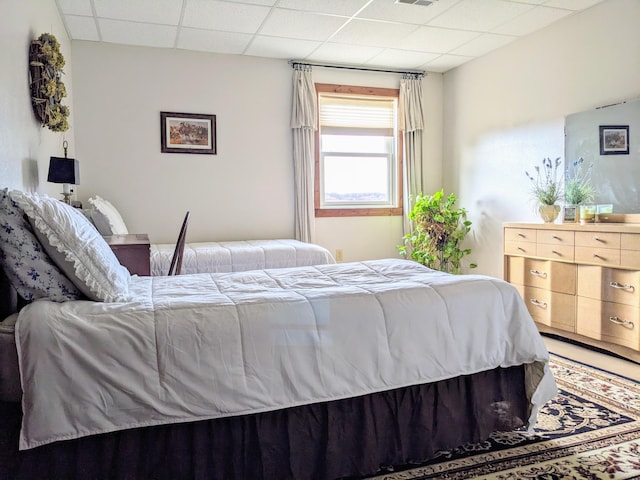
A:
x: 8, y: 297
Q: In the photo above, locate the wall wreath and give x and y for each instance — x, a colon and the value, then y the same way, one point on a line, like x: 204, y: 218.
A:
x: 47, y: 88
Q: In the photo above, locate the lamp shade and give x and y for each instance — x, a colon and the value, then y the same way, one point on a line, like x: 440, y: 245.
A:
x: 64, y: 170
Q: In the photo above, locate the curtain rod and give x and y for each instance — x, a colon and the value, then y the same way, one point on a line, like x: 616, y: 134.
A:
x: 419, y: 73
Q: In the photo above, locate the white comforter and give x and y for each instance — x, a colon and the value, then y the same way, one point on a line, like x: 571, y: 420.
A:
x: 239, y: 256
x: 212, y: 345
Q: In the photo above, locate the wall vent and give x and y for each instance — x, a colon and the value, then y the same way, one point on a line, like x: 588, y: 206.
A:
x: 424, y: 3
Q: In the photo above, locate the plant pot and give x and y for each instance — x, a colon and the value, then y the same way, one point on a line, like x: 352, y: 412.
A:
x: 549, y: 213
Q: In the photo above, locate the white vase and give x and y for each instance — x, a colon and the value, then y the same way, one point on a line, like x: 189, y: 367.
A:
x: 549, y: 213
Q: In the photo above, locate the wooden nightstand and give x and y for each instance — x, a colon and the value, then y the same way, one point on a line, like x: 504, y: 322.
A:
x: 133, y: 251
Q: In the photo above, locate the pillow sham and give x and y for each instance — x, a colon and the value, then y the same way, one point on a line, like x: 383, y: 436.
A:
x: 106, y: 217
x: 77, y: 247
x: 28, y: 267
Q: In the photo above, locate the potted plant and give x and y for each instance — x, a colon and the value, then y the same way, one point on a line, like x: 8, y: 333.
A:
x: 438, y: 230
x: 547, y: 188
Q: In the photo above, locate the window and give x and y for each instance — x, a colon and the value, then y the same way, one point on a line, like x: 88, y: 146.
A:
x: 358, y: 157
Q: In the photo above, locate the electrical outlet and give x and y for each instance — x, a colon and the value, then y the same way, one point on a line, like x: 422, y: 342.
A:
x: 339, y: 256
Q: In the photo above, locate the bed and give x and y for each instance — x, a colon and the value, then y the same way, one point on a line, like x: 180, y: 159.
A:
x: 212, y: 257
x: 319, y: 372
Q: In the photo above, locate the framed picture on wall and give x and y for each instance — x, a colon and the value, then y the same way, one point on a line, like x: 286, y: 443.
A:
x: 188, y: 133
x: 614, y: 139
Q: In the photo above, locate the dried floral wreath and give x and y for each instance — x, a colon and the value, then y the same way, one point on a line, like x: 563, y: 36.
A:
x: 47, y: 88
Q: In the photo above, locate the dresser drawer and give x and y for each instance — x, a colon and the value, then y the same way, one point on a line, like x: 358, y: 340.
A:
x: 554, y: 276
x: 553, y: 309
x: 609, y: 284
x: 555, y: 237
x: 520, y: 248
x: 601, y: 256
x: 519, y: 235
x: 610, y: 322
x: 598, y: 239
x: 555, y: 252
x: 630, y: 241
x: 630, y: 258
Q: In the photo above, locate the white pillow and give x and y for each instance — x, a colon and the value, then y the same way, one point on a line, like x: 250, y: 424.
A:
x: 106, y: 217
x: 76, y: 247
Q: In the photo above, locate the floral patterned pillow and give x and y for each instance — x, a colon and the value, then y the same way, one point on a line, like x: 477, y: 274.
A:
x: 27, y: 266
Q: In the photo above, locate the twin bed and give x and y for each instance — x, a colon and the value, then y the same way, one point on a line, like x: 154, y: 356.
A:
x: 318, y: 372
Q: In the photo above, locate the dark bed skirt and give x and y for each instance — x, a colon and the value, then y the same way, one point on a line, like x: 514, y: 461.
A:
x: 340, y: 439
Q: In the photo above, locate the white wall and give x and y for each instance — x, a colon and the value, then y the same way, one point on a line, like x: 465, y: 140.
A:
x: 504, y: 113
x: 25, y: 147
x: 243, y: 192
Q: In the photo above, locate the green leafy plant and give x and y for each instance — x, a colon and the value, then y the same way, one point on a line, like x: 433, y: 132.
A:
x: 577, y: 187
x: 438, y: 229
x: 547, y: 185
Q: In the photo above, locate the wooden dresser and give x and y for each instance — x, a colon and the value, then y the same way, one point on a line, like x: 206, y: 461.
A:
x: 581, y: 282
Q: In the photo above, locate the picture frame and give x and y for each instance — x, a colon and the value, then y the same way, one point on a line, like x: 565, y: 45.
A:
x: 570, y: 214
x: 187, y: 133
x: 614, y: 139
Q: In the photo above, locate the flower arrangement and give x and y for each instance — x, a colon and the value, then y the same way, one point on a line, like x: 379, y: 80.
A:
x: 547, y: 186
x: 47, y: 88
x: 577, y: 188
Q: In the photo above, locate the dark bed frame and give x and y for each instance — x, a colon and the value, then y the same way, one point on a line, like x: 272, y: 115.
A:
x: 350, y: 438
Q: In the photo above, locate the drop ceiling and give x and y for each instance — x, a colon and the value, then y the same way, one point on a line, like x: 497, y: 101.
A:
x: 367, y: 33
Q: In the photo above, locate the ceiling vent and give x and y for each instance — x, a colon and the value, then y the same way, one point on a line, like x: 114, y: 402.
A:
x: 424, y: 3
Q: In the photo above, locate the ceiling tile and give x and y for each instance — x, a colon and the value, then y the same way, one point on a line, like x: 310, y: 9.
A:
x: 144, y: 34
x: 402, y: 12
x: 165, y: 12
x: 445, y: 62
x: 213, y: 41
x: 75, y: 7
x: 274, y: 47
x: 533, y: 20
x: 268, y: 3
x: 483, y: 44
x: 344, y: 54
x: 224, y: 16
x: 436, y: 40
x: 82, y: 28
x: 337, y: 7
x: 295, y: 24
x: 479, y: 15
x: 572, y: 4
x: 401, y: 58
x: 373, y: 33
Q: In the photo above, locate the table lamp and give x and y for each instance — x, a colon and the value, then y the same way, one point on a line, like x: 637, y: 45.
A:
x: 66, y: 171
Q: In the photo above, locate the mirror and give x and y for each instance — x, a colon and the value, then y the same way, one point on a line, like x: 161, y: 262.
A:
x: 608, y: 139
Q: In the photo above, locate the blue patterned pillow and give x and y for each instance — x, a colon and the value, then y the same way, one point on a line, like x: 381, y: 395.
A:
x: 27, y: 266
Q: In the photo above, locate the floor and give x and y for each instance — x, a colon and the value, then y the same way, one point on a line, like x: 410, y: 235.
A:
x: 605, y: 362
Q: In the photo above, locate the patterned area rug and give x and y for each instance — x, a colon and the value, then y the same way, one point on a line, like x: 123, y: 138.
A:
x: 591, y: 430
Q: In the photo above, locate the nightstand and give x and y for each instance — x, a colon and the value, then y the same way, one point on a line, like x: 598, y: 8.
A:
x: 133, y: 251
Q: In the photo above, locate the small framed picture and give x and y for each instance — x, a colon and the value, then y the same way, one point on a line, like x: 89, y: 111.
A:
x: 188, y: 133
x: 614, y: 139
x: 570, y: 214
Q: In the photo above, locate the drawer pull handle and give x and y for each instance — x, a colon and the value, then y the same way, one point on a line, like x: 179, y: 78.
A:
x: 595, y: 255
x: 596, y: 239
x: 617, y: 321
x: 538, y: 274
x: 556, y: 253
x: 538, y: 303
x: 555, y: 237
x: 522, y: 249
x: 522, y: 235
x: 622, y: 286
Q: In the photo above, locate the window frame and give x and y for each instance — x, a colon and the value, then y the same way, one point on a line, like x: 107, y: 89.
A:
x: 357, y: 211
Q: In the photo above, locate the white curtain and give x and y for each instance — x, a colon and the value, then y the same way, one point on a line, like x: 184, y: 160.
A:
x: 304, y: 124
x: 411, y: 122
